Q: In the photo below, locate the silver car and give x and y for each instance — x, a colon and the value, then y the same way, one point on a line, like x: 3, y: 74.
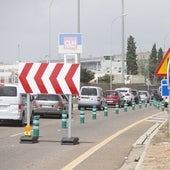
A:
x: 91, y: 96
x: 127, y: 93
x: 50, y: 104
x: 144, y: 95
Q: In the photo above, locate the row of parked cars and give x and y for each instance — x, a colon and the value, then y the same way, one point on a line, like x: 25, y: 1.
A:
x: 90, y: 96
x: 13, y: 104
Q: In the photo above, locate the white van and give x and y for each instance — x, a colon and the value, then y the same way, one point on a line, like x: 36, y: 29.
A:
x: 91, y: 96
x: 13, y: 104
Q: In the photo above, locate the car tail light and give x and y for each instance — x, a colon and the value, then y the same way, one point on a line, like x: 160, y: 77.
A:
x: 60, y: 105
x: 98, y: 99
x: 34, y: 104
x: 19, y: 106
x: 1, y: 84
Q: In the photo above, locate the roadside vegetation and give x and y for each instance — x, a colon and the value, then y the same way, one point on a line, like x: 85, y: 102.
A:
x: 145, y: 66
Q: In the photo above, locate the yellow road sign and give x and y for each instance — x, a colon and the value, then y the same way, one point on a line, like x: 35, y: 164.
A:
x: 162, y: 67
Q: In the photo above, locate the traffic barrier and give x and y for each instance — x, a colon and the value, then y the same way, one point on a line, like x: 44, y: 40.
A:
x: 150, y: 102
x: 94, y: 112
x: 145, y: 103
x: 105, y: 110
x: 64, y: 119
x: 133, y: 105
x: 27, y: 130
x: 36, y: 126
x: 125, y: 106
x: 117, y: 108
x: 154, y: 103
x: 158, y: 105
x: 82, y: 115
x: 140, y: 104
x: 28, y: 137
x: 162, y: 105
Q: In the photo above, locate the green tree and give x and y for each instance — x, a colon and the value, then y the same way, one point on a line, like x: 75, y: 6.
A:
x: 160, y: 57
x: 105, y: 78
x: 131, y: 57
x: 86, y: 75
x: 153, y: 60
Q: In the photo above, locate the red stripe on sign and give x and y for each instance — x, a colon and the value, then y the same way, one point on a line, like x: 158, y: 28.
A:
x: 69, y: 78
x: 38, y: 78
x: 53, y: 78
x: 23, y: 77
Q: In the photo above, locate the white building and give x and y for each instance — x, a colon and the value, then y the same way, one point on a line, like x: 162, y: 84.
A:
x: 99, y: 65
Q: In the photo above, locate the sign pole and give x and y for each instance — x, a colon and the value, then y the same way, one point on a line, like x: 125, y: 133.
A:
x: 28, y: 109
x: 169, y: 114
x: 168, y: 81
x: 69, y: 139
x: 70, y: 109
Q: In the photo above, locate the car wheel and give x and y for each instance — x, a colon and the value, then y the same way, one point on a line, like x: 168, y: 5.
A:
x: 22, y: 121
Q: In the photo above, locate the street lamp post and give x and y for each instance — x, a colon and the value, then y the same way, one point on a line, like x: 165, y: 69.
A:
x: 78, y: 25
x: 111, y: 47
x: 165, y: 40
x: 49, y: 52
x: 123, y: 46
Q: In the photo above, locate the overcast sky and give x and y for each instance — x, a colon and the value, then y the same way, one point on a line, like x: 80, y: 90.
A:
x: 24, y: 26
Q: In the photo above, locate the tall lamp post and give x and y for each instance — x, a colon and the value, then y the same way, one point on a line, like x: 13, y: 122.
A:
x: 49, y: 52
x: 78, y: 25
x: 123, y: 46
x: 111, y: 47
x: 166, y: 36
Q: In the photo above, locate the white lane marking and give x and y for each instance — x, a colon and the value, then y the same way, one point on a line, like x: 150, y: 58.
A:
x: 17, y: 134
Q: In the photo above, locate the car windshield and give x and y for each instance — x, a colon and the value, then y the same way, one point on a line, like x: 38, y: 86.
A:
x: 134, y: 92
x: 143, y: 93
x: 49, y: 97
x: 113, y: 93
x: 8, y: 91
x: 123, y: 91
x: 89, y: 91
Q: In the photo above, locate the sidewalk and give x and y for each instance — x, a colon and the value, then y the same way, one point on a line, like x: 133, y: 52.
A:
x: 151, y: 151
x: 157, y: 154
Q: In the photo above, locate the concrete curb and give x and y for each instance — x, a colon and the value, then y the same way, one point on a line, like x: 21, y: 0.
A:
x: 139, y: 148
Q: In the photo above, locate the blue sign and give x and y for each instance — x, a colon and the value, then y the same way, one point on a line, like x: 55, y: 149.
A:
x: 164, y: 88
x: 70, y: 43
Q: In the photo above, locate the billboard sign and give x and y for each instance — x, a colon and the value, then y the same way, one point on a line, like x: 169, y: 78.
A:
x: 70, y: 43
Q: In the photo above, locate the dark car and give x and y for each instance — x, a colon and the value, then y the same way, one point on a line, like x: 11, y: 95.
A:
x: 136, y: 95
x: 155, y: 94
x: 50, y: 105
x: 114, y: 97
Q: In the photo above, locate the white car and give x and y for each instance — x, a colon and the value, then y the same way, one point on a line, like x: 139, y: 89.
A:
x: 127, y: 93
x: 144, y: 95
x: 13, y: 104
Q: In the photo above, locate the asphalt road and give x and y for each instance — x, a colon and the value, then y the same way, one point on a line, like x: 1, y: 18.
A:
x: 104, y: 142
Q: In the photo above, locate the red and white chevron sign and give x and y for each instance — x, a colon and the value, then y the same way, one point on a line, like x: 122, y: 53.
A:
x: 49, y: 78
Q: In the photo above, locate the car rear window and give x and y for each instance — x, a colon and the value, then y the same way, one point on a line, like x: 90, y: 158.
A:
x: 8, y: 91
x: 143, y: 92
x: 113, y: 93
x: 123, y: 91
x: 89, y: 91
x: 134, y: 92
x: 48, y: 97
